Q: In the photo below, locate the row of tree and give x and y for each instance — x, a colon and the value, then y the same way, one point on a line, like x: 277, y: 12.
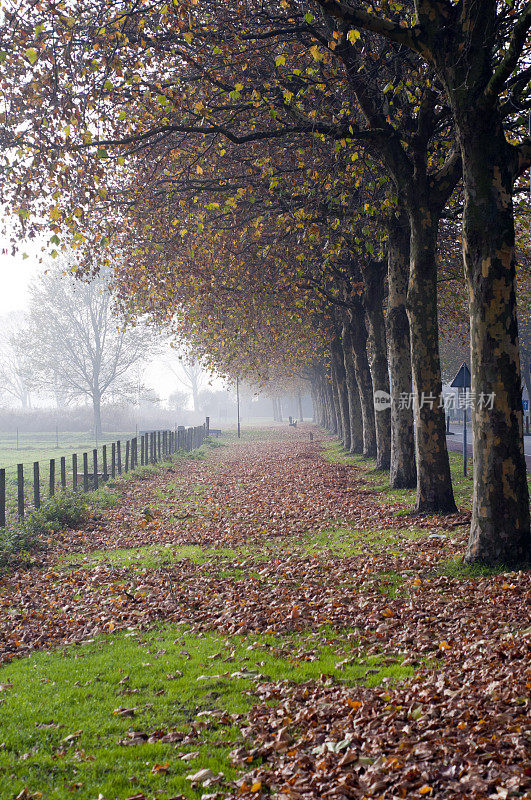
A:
x: 282, y: 183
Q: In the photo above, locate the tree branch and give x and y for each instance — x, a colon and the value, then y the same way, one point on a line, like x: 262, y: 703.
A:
x: 497, y: 83
x: 410, y: 37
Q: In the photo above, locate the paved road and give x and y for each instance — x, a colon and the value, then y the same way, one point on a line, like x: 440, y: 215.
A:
x: 455, y: 442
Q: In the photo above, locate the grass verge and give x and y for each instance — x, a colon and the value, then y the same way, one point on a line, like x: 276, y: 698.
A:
x: 116, y: 716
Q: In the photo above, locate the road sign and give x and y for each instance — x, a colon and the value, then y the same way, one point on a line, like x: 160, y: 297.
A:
x: 462, y: 378
x: 526, y: 405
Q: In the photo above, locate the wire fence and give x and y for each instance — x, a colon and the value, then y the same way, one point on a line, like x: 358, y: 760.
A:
x: 28, y: 489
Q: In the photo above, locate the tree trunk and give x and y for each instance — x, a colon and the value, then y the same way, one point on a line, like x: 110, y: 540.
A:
x: 332, y: 404
x: 316, y: 410
x: 337, y: 406
x: 338, y: 366
x: 500, y: 527
x: 299, y: 405
x: 374, y: 280
x: 434, y: 484
x: 96, y: 405
x: 354, y: 404
x: 358, y: 334
x: 403, y: 471
x: 325, y: 401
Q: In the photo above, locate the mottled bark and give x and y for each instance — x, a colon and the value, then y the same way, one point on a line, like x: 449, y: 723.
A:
x: 354, y: 404
x: 403, y: 471
x: 500, y: 527
x: 358, y: 339
x: 338, y: 366
x: 374, y: 273
x: 434, y: 483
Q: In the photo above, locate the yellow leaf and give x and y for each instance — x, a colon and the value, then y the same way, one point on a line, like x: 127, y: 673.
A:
x: 353, y: 36
x: 280, y: 61
x: 316, y: 53
x: 425, y: 789
x: 187, y: 37
x: 55, y: 213
x: 257, y: 785
x: 31, y: 55
x: 199, y: 170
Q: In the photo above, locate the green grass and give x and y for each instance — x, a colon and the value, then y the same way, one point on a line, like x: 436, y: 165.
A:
x: 105, y: 497
x: 60, y: 733
x: 455, y: 568
x: 146, y: 557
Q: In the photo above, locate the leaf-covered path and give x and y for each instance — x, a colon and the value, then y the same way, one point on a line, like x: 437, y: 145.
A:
x: 272, y: 536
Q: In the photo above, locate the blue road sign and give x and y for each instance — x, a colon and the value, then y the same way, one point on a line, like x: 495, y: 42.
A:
x: 462, y: 379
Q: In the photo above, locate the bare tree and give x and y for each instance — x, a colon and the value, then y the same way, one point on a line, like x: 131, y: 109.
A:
x: 75, y: 343
x: 189, y: 374
x: 16, y: 379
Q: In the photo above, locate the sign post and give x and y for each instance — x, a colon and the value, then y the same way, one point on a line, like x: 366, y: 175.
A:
x: 462, y: 381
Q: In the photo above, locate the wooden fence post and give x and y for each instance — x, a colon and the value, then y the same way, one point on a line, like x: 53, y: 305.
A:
x: 2, y: 498
x: 63, y: 472
x: 127, y: 449
x: 207, y: 425
x: 85, y: 473
x: 113, y: 460
x: 119, y: 456
x: 95, y: 468
x: 158, y: 444
x: 52, y: 477
x: 36, y: 485
x: 74, y: 472
x: 20, y: 489
x: 105, y: 469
